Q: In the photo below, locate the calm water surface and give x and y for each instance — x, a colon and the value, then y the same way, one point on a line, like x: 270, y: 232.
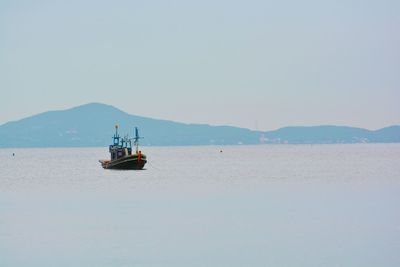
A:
x: 272, y: 205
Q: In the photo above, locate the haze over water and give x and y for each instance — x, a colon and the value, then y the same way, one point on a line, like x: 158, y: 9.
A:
x: 271, y: 205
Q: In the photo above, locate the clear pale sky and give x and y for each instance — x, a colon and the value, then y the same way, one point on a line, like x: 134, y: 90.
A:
x: 254, y: 64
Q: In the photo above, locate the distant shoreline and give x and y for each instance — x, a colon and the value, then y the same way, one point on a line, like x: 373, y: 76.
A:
x: 91, y: 125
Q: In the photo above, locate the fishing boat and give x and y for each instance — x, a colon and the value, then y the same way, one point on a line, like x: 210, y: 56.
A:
x: 122, y: 155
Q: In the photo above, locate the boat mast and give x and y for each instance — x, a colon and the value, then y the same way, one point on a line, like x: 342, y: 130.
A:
x: 116, y: 136
x: 136, y: 139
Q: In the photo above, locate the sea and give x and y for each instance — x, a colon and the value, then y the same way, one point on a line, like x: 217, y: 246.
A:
x: 261, y: 205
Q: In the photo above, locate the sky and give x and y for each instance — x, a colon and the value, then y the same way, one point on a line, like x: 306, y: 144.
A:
x: 255, y: 64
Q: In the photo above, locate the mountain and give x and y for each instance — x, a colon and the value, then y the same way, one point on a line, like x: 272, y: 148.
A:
x: 93, y: 125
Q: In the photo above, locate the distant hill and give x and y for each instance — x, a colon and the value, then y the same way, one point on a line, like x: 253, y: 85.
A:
x: 329, y: 134
x: 319, y: 134
x: 93, y: 125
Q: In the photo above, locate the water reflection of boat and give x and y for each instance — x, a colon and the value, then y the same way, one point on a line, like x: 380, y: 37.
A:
x: 122, y: 156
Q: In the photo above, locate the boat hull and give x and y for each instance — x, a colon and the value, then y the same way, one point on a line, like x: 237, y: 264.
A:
x: 126, y: 163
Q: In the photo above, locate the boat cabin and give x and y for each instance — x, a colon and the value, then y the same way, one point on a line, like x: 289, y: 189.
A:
x: 121, y: 147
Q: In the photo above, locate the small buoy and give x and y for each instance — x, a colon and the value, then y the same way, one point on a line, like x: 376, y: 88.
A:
x: 220, y: 151
x: 13, y: 154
